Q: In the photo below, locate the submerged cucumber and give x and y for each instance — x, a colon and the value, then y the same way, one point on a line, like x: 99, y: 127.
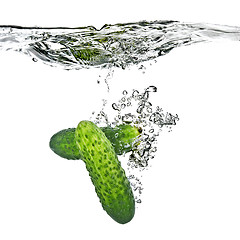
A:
x: 122, y: 138
x: 107, y: 175
x: 63, y: 144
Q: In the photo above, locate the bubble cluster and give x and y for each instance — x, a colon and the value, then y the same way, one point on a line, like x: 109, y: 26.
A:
x: 151, y: 120
x: 135, y: 108
x: 137, y: 187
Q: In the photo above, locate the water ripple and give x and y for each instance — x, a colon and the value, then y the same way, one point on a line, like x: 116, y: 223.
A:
x: 118, y: 45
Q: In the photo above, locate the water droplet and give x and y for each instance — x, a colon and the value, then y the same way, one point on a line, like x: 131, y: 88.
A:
x: 34, y: 59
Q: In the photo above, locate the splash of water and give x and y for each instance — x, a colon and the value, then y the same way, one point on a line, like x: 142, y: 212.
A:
x: 118, y: 45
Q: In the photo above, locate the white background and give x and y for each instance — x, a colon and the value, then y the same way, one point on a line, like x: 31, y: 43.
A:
x: 191, y: 190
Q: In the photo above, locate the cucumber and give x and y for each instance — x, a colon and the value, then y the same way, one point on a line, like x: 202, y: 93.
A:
x: 63, y: 144
x: 122, y: 138
x: 107, y: 175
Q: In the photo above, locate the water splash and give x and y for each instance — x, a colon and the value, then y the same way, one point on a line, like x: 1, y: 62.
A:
x: 119, y: 45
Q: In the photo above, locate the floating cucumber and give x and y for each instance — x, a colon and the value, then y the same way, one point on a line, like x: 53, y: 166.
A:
x: 122, y: 137
x: 107, y: 175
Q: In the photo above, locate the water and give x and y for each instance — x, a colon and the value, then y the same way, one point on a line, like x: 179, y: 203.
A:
x: 118, y: 46
x: 137, y: 109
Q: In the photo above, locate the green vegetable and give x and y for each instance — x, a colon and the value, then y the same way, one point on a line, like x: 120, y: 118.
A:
x: 107, y: 175
x: 122, y: 138
x: 63, y: 144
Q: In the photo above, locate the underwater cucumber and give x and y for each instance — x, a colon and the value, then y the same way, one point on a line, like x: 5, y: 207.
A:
x: 63, y: 144
x: 122, y: 138
x: 107, y: 175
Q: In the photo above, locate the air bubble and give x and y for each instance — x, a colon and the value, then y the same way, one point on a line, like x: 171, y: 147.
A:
x: 152, y: 139
x: 140, y: 97
x: 104, y: 102
x: 115, y: 107
x: 128, y: 118
x: 151, y: 89
x: 148, y: 145
x: 145, y: 96
x: 102, y: 113
x: 158, y: 109
x: 123, y: 106
x: 149, y: 110
x: 141, y: 67
x: 140, y: 109
x: 124, y: 92
x: 144, y: 137
x: 154, y: 149
x: 135, y: 94
x: 148, y: 104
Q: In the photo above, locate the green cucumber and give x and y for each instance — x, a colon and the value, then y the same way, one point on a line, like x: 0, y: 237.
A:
x: 107, y: 175
x: 63, y: 144
x: 122, y: 138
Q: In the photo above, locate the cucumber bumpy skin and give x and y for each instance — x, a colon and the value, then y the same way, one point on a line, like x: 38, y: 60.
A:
x: 122, y: 138
x: 63, y: 144
x: 107, y: 175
